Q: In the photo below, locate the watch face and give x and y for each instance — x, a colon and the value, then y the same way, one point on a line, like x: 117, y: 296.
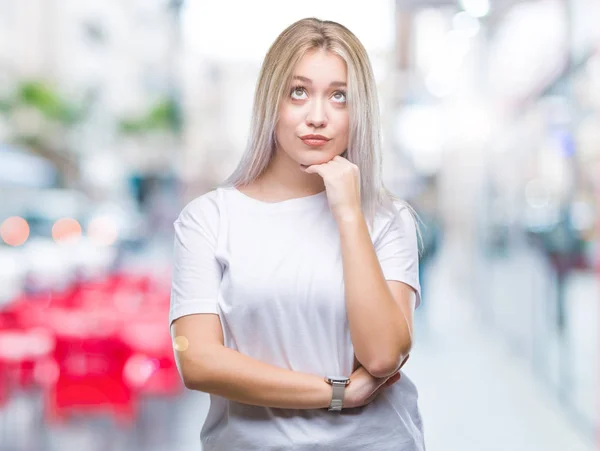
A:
x: 342, y: 379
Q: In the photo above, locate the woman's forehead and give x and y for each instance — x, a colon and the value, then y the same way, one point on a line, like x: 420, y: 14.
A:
x: 320, y: 67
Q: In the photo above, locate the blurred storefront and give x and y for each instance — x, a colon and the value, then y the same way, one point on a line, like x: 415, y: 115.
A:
x: 543, y: 191
x: 500, y: 112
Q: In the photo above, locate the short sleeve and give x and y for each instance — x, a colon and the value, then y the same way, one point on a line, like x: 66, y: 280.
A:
x: 397, y: 249
x: 196, y: 271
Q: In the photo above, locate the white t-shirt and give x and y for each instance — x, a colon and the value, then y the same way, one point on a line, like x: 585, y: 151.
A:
x: 273, y: 274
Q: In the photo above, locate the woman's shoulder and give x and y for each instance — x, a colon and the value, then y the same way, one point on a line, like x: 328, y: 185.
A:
x: 205, y: 206
x: 394, y: 212
x: 393, y: 208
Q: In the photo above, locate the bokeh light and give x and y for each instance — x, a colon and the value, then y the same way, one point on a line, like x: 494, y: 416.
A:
x: 138, y: 369
x: 102, y: 231
x: 181, y: 343
x: 66, y: 229
x: 14, y: 231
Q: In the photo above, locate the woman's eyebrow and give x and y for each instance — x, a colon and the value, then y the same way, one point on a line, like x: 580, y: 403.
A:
x: 309, y: 81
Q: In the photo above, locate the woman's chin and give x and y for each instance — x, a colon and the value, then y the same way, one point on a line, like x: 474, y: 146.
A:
x: 321, y: 161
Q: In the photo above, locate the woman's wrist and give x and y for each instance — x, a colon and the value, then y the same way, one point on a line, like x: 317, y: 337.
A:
x: 327, y: 393
x: 348, y: 215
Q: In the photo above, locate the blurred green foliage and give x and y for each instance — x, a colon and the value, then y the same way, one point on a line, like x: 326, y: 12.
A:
x: 41, y: 96
x: 58, y: 111
x: 163, y: 116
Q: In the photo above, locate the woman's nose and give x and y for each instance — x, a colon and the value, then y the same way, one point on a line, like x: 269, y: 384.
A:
x: 316, y: 116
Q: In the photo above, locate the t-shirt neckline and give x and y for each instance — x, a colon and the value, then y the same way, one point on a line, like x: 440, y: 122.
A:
x: 293, y: 203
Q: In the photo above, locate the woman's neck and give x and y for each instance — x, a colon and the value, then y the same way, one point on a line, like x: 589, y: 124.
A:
x: 284, y: 178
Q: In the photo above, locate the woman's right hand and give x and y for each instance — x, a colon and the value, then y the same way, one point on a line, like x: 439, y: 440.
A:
x: 364, y: 388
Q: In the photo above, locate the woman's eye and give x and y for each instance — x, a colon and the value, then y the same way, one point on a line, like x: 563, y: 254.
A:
x: 297, y: 92
x: 339, y: 97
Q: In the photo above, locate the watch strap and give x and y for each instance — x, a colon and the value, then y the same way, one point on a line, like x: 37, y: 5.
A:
x: 337, y: 396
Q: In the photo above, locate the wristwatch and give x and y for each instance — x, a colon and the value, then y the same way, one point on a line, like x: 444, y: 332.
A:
x: 338, y: 384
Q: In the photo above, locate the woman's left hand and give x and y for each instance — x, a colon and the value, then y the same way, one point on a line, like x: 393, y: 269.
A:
x: 342, y: 183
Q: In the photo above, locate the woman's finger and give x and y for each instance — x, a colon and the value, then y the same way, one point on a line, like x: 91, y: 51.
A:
x: 320, y: 169
x: 393, y: 379
x: 314, y: 169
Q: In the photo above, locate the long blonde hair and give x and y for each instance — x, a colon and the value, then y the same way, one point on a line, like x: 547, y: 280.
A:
x: 364, y: 140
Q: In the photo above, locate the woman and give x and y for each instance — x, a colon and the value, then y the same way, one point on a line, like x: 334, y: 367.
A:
x: 295, y: 282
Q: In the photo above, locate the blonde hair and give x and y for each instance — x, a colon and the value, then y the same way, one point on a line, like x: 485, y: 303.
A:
x: 364, y: 140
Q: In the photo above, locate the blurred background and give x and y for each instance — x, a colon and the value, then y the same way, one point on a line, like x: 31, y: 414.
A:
x: 116, y: 113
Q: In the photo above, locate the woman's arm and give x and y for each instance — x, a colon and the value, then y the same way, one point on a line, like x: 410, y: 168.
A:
x: 379, y: 312
x: 206, y: 365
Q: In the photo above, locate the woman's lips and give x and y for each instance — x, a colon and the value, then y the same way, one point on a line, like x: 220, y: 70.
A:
x: 314, y: 142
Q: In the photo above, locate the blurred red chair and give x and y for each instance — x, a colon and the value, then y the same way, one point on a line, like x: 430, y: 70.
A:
x: 105, y: 340
x: 151, y: 370
x: 91, y: 360
x: 20, y: 351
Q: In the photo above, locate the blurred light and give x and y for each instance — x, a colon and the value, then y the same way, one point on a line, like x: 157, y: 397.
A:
x: 445, y: 72
x: 476, y: 8
x: 380, y: 65
x: 14, y: 231
x: 465, y: 24
x: 469, y: 123
x: 529, y: 48
x: 138, y: 369
x: 181, y: 343
x: 66, y: 229
x: 102, y: 231
x: 420, y: 130
x: 536, y: 194
x: 456, y: 48
x: 104, y: 169
x: 430, y: 37
x: 441, y: 84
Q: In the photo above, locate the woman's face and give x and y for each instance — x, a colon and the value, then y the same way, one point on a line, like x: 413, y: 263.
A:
x: 315, y: 104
